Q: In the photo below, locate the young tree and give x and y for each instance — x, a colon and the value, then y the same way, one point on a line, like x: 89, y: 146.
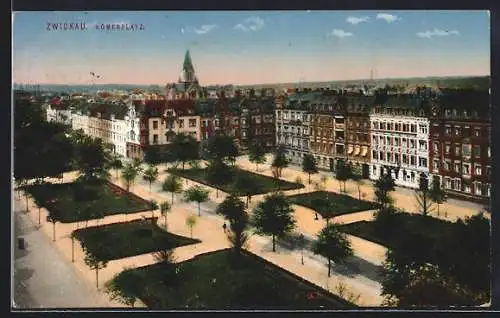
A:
x: 383, y: 186
x: 423, y: 197
x: 274, y: 216
x: 309, y: 165
x: 257, y: 155
x: 154, y: 206
x: 218, y: 174
x: 172, y: 184
x: 246, y: 185
x: 95, y: 263
x: 191, y: 222
x: 136, y: 163
x: 39, y: 204
x: 53, y: 217
x: 342, y: 173
x: 129, y: 174
x: 233, y: 210
x: 196, y: 194
x: 73, y: 236
x: 151, y: 175
x: 165, y: 208
x: 437, y: 194
x: 358, y: 179
x: 332, y: 244
x: 301, y: 242
x: 279, y: 161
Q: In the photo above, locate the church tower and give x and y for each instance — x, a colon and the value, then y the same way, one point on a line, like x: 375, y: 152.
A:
x: 187, y: 74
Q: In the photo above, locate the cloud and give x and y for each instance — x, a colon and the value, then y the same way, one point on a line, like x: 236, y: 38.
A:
x: 206, y: 28
x: 250, y: 24
x: 357, y: 20
x: 436, y: 32
x: 389, y: 18
x: 341, y: 33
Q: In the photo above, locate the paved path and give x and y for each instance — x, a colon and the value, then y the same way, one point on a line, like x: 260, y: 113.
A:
x: 42, y: 277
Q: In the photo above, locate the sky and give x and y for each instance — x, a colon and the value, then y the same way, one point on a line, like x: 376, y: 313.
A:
x: 250, y: 47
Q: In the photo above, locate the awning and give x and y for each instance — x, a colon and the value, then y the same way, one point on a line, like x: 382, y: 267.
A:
x: 364, y: 151
x: 356, y: 151
x: 349, y: 150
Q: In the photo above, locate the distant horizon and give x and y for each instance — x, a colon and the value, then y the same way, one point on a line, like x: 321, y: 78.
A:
x: 257, y: 84
x: 245, y: 48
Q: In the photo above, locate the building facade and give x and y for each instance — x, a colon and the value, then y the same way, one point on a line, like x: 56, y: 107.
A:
x: 460, y: 153
x: 400, y: 139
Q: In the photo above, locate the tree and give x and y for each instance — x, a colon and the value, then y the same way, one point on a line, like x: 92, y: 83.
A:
x: 301, y: 243
x: 154, y: 207
x: 184, y: 148
x: 423, y: 197
x: 129, y: 174
x: 116, y: 164
x: 165, y: 208
x: 221, y: 148
x: 246, y: 185
x: 136, y: 163
x: 309, y: 165
x: 53, y: 218
x: 437, y: 194
x: 95, y: 263
x: 218, y: 174
x: 385, y: 223
x: 92, y: 160
x: 233, y: 210
x: 123, y: 286
x: 342, y: 173
x: 332, y: 244
x: 196, y: 194
x: 73, y: 236
x: 191, y: 222
x: 383, y: 186
x: 257, y: 155
x: 151, y: 175
x: 39, y: 204
x: 358, y: 179
x: 274, y: 216
x: 172, y: 184
x: 279, y: 161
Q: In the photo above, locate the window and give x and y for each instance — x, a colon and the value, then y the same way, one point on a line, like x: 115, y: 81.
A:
x: 489, y: 152
x: 477, y: 132
x: 457, y: 167
x: 155, y: 139
x: 447, y: 165
x: 192, y: 123
x: 396, y: 158
x: 422, y: 129
x: 447, y: 182
x: 396, y: 141
x: 466, y: 169
x: 155, y: 124
x: 448, y: 131
x: 477, y: 151
x: 412, y: 160
x: 422, y: 145
x: 436, y: 146
x: 381, y: 157
x: 457, y: 150
x: 405, y: 159
x: 477, y: 170
x: 181, y: 123
x: 467, y: 188
x: 458, y: 184
x: 374, y: 155
x: 478, y: 188
x: 488, y: 171
x: 435, y: 164
x: 374, y: 140
x: 447, y: 149
x: 457, y: 131
x: 422, y: 162
x: 413, y: 128
x: 466, y: 150
x: 412, y: 143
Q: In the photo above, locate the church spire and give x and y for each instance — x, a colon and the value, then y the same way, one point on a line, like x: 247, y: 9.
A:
x: 188, y: 65
x: 187, y: 73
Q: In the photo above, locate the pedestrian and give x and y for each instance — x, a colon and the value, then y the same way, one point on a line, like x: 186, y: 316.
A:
x: 224, y: 227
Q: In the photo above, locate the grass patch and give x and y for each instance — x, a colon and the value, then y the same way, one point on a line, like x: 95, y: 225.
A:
x: 120, y: 240
x: 342, y: 204
x: 109, y: 199
x: 211, y: 281
x: 264, y: 184
x: 433, y: 229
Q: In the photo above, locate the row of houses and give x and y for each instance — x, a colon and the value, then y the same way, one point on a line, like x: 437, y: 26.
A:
x: 442, y: 135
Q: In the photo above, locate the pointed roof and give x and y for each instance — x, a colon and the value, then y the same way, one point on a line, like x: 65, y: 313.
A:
x: 188, y: 65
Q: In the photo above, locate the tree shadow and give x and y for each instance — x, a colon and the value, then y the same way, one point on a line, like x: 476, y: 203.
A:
x: 355, y: 265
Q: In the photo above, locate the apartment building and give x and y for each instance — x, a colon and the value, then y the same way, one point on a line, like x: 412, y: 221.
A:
x: 107, y: 122
x: 257, y: 122
x: 292, y: 126
x: 58, y: 112
x: 358, y: 132
x: 460, y: 153
x: 400, y: 138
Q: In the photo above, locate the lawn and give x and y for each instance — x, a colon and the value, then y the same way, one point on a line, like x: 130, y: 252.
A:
x: 264, y: 184
x: 120, y: 240
x: 210, y: 281
x: 432, y: 229
x: 342, y: 204
x: 66, y: 200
